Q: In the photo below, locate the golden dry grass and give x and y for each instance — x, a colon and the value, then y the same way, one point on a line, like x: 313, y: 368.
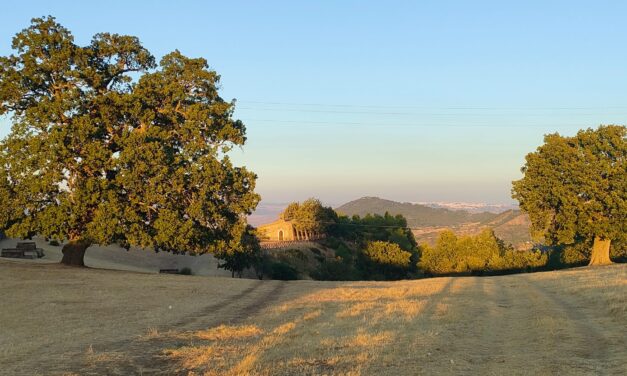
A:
x: 568, y: 322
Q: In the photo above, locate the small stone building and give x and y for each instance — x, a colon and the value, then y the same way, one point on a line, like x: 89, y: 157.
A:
x: 282, y: 230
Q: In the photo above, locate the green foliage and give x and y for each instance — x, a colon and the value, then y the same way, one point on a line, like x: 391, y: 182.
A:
x: 344, y: 253
x: 373, y: 247
x: 243, y: 253
x: 576, y: 187
x: 389, y: 254
x: 54, y: 243
x: 186, y: 271
x: 375, y: 227
x: 310, y: 216
x: 579, y: 252
x: 107, y: 147
x: 282, y: 271
x: 385, y: 260
x: 476, y: 254
x: 336, y: 270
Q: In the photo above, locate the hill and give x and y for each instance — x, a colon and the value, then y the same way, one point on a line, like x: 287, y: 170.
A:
x: 58, y: 320
x: 427, y: 222
x: 417, y: 215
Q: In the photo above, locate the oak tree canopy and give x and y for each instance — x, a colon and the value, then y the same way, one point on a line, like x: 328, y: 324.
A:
x: 575, y: 189
x: 109, y: 147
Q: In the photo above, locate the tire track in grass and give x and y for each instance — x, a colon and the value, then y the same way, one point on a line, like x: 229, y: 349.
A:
x: 144, y: 357
x: 586, y: 341
x: 212, y: 309
x: 585, y: 324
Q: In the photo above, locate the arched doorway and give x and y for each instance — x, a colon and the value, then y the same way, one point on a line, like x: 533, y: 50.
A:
x: 280, y: 235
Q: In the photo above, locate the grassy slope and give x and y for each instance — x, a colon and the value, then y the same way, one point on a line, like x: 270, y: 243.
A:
x: 59, y: 320
x: 114, y: 257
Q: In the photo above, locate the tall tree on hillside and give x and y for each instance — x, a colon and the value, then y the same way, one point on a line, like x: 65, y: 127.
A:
x: 576, y: 188
x: 243, y: 253
x: 107, y: 147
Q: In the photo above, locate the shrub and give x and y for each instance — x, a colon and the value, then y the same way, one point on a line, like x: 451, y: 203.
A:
x: 386, y: 253
x: 575, y: 254
x: 476, y: 254
x: 186, y: 271
x: 54, y: 243
x: 282, y: 271
x: 335, y: 270
x: 316, y: 251
x: 385, y: 260
x: 344, y: 253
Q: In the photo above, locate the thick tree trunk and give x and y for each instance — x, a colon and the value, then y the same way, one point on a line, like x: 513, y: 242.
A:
x: 74, y: 253
x: 600, y: 252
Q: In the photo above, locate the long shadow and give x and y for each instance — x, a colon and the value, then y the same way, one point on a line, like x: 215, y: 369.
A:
x: 146, y: 358
x: 595, y: 345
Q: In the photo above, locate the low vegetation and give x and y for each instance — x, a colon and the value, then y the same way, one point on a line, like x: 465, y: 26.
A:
x: 480, y: 254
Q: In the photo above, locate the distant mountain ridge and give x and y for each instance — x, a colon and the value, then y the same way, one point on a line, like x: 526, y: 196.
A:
x: 417, y: 215
x: 472, y: 207
x: 427, y: 222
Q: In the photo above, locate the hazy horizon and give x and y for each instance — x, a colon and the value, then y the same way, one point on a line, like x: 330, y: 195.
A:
x: 414, y: 102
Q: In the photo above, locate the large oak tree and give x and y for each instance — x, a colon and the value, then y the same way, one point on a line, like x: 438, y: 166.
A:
x: 108, y: 147
x: 575, y: 189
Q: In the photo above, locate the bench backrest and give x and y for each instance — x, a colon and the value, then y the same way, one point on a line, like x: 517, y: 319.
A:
x: 27, y: 246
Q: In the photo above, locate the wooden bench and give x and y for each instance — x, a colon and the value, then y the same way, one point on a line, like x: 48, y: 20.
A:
x: 26, y: 250
x: 169, y: 271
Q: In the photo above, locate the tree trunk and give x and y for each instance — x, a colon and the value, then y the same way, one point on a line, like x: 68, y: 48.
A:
x: 600, y: 252
x: 74, y: 253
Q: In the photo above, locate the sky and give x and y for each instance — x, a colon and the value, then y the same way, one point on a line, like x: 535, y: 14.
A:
x: 410, y: 101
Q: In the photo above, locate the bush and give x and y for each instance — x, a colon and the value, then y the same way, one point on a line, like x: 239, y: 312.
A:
x: 344, y: 253
x: 54, y: 243
x: 387, y: 254
x: 575, y: 254
x: 284, y: 272
x: 478, y: 254
x: 335, y: 270
x: 385, y: 261
x: 186, y: 271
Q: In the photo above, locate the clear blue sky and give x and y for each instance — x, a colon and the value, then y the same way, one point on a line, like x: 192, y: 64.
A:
x: 414, y: 101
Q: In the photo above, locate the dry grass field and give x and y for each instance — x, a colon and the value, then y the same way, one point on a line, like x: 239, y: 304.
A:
x: 63, y: 321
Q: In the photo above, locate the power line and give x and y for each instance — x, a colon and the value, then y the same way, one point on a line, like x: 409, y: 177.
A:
x: 490, y: 108
x: 326, y: 111
x: 292, y: 123
x: 365, y: 225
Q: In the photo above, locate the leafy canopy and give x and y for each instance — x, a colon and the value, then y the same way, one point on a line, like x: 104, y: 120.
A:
x: 482, y: 252
x: 575, y: 188
x: 310, y: 215
x: 387, y: 253
x: 107, y: 146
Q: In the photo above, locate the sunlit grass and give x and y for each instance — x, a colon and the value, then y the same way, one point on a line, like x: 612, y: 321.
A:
x: 350, y: 328
x: 371, y: 328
